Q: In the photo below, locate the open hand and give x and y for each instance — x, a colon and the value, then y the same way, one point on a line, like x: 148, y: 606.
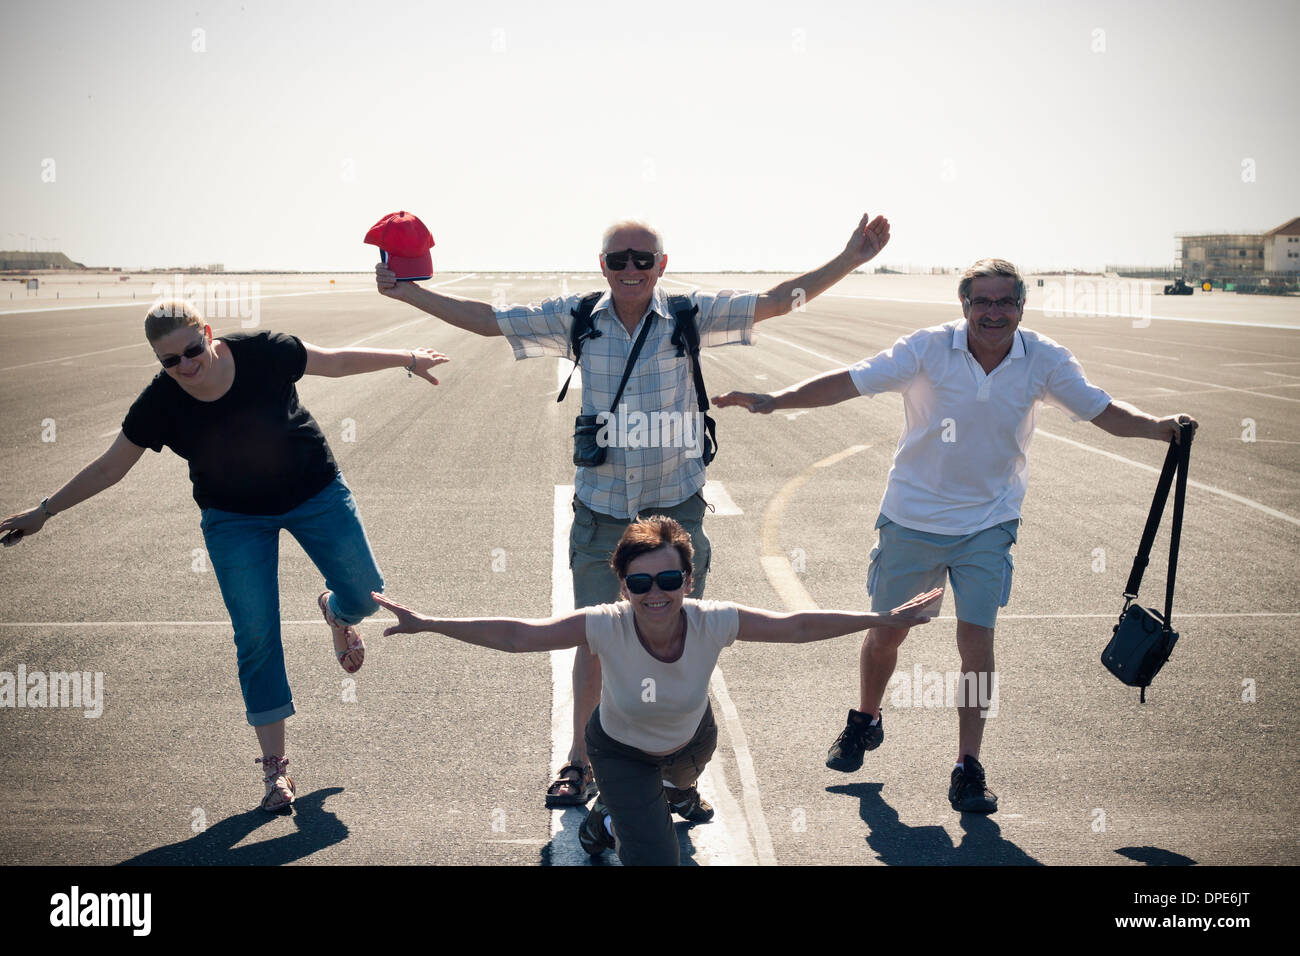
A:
x: 868, y: 239
x: 916, y: 611
x: 408, y: 621
x: 754, y: 401
x: 426, y: 359
x: 21, y: 525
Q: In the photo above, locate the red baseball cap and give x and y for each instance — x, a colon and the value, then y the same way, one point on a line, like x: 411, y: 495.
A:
x: 404, y: 242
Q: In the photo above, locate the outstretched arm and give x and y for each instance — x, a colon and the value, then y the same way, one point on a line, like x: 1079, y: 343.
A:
x: 105, y: 471
x: 804, y: 627
x: 335, y: 363
x: 512, y: 634
x: 868, y: 238
x: 829, y: 388
x: 1127, y: 421
x: 468, y: 314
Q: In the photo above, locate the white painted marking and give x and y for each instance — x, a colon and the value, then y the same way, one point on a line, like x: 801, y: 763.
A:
x: 564, y: 851
x: 753, y: 806
x: 1107, y: 348
x: 716, y: 494
x: 795, y: 345
x: 1195, y: 381
x: 107, y: 434
x: 1271, y: 512
x: 1253, y: 364
x: 839, y: 456
x: 791, y: 416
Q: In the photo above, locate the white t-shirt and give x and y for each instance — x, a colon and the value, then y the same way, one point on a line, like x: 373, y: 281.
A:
x: 962, y: 462
x: 648, y: 703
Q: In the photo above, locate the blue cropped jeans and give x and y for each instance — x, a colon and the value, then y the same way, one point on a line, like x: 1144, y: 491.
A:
x: 245, y: 553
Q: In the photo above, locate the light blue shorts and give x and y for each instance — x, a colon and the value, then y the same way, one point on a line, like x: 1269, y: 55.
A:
x: 906, y: 562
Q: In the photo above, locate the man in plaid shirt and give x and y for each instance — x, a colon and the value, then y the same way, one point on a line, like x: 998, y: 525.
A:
x: 642, y: 473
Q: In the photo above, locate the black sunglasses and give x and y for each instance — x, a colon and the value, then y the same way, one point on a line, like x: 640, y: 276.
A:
x: 617, y: 261
x: 194, y: 351
x: 667, y: 581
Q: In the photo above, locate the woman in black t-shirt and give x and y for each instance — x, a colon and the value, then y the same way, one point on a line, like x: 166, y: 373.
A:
x: 259, y: 463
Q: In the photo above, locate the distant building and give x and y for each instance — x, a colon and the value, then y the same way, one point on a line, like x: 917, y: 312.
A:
x: 1282, y: 248
x: 1226, y: 254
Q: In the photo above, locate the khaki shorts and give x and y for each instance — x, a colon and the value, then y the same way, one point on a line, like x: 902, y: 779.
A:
x: 974, y: 568
x: 594, y: 536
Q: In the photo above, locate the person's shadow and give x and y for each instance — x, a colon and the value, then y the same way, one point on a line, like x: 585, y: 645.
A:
x: 1155, y: 856
x: 317, y: 828
x: 897, y: 844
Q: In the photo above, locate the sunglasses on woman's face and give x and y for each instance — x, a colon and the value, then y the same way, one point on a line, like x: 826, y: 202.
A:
x: 667, y: 581
x: 194, y: 351
x: 617, y: 261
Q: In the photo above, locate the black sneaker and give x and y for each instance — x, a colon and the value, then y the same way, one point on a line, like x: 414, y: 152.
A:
x: 858, y: 737
x: 968, y: 793
x: 593, y: 836
x: 689, y: 805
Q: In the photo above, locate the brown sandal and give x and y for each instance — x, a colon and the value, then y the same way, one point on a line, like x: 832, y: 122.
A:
x: 347, y: 631
x: 579, y: 779
x: 280, y: 789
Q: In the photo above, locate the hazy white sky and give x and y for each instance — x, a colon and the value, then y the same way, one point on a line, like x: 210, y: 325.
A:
x: 271, y: 135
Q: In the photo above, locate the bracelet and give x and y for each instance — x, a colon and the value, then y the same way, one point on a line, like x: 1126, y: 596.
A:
x: 45, y: 508
x: 411, y: 368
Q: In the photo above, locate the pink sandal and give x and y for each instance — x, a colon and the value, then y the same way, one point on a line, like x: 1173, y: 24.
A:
x: 280, y: 789
x: 347, y: 631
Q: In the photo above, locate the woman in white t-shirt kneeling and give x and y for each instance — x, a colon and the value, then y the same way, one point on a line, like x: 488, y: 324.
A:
x: 653, y: 733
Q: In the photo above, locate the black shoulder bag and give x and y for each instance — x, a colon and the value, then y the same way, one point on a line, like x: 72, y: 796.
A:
x: 1143, y: 639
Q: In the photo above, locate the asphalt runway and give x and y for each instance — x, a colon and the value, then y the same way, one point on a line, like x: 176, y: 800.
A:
x: 438, y: 752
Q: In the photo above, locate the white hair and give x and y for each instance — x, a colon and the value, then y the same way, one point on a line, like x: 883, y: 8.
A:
x: 631, y: 224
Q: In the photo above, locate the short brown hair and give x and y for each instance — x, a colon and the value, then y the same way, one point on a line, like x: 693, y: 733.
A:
x: 167, y: 316
x: 991, y: 267
x: 651, y: 534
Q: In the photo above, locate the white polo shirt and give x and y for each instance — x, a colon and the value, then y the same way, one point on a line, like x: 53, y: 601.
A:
x: 962, y: 463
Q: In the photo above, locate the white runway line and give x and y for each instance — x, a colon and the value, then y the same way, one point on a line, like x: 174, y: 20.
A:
x: 716, y: 494
x: 1271, y: 512
x: 1196, y: 381
x: 1108, y: 348
x: 1255, y: 364
x: 727, y: 838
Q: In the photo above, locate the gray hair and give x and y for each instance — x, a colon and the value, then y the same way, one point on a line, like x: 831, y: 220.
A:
x: 991, y: 267
x: 631, y: 224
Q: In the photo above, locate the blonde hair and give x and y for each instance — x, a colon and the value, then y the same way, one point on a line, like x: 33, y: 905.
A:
x: 168, y: 315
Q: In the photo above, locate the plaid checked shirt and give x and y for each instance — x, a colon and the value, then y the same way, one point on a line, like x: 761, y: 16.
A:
x: 658, y: 473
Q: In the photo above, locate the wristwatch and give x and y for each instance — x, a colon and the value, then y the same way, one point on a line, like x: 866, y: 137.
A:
x: 45, y: 508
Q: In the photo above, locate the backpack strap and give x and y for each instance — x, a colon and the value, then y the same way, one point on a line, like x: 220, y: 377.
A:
x: 581, y: 330
x: 686, y: 336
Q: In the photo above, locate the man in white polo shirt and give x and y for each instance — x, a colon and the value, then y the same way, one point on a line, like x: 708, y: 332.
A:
x: 951, y: 507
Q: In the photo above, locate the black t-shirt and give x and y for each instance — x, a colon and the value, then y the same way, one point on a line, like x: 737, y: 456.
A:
x: 255, y: 450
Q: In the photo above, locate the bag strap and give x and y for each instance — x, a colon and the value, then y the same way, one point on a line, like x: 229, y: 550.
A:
x: 583, y: 328
x: 631, y: 359
x: 1175, y: 467
x: 686, y: 336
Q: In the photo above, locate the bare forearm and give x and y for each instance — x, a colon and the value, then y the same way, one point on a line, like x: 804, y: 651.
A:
x: 829, y: 388
x: 468, y: 314
x: 809, y: 626
x: 88, y: 482
x: 783, y: 298
x: 1125, y: 421
x: 497, y: 633
x: 360, y: 361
